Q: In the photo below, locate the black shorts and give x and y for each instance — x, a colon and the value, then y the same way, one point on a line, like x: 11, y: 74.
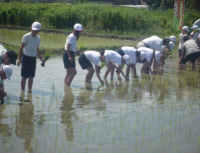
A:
x: 190, y: 57
x: 84, y: 62
x: 66, y: 61
x: 28, y: 66
x: 121, y: 52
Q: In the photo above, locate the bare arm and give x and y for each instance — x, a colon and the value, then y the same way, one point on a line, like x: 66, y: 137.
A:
x: 69, y: 54
x: 97, y: 73
x: 108, y: 70
x: 120, y: 70
x: 20, y: 53
x: 39, y: 55
x: 128, y: 70
x: 149, y: 66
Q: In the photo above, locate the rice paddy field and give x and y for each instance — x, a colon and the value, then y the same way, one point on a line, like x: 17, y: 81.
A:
x: 152, y: 113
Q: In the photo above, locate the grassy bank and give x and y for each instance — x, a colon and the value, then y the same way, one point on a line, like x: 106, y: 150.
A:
x: 54, y: 43
x: 95, y: 18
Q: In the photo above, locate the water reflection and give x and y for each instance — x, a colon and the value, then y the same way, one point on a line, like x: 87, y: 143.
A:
x: 24, y: 126
x: 67, y: 113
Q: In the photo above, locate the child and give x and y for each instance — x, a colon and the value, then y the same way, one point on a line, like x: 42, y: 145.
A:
x: 110, y: 57
x: 7, y: 57
x: 85, y: 60
x: 69, y: 55
x: 185, y: 30
x: 194, y: 34
x: 30, y: 45
x: 5, y: 73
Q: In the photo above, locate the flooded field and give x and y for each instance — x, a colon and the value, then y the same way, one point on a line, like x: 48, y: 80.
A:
x: 151, y: 113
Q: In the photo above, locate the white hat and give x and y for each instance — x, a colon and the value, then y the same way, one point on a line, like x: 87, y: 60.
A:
x: 142, y: 55
x: 195, y: 27
x: 163, y: 48
x: 186, y: 28
x: 36, y: 26
x: 78, y: 27
x: 8, y: 71
x: 157, y: 57
x: 171, y: 45
x: 173, y: 38
x: 127, y: 59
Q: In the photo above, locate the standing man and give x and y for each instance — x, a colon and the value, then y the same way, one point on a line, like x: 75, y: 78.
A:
x: 85, y: 60
x: 7, y: 57
x: 69, y: 54
x: 30, y: 45
x: 110, y: 57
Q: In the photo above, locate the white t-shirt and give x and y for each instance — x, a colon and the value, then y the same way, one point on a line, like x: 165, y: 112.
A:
x: 71, y: 39
x: 2, y: 53
x: 131, y: 51
x: 32, y: 43
x: 113, y: 57
x: 154, y: 43
x: 148, y: 52
x: 180, y: 40
x: 195, y: 36
x: 93, y: 57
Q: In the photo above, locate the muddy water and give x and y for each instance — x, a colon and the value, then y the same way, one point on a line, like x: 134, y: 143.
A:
x: 158, y: 113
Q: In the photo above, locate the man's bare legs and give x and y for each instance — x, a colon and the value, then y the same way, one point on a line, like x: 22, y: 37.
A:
x: 71, y: 72
x: 89, y: 75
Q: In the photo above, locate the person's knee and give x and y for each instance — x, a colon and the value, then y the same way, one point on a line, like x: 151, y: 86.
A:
x: 92, y: 71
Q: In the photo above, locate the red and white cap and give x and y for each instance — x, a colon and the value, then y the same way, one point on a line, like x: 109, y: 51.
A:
x: 36, y: 26
x: 78, y: 27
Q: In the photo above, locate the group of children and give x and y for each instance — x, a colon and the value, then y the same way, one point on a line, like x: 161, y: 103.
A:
x: 152, y: 50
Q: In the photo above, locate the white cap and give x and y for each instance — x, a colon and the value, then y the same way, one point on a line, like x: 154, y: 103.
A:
x: 163, y: 48
x: 8, y: 71
x: 142, y: 55
x: 78, y: 27
x: 127, y: 59
x: 195, y: 27
x: 173, y: 38
x: 171, y: 45
x: 36, y: 26
x: 186, y: 28
x: 157, y: 57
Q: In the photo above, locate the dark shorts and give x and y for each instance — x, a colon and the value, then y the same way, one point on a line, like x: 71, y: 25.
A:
x: 84, y: 62
x: 66, y: 61
x: 28, y: 66
x: 121, y: 52
x: 190, y: 57
x: 179, y: 53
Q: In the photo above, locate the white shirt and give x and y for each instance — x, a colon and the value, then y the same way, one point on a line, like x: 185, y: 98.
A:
x: 2, y: 53
x: 71, y: 39
x: 131, y: 51
x: 148, y: 52
x: 180, y: 40
x: 154, y: 43
x: 195, y: 36
x: 93, y: 57
x: 113, y: 57
x: 32, y: 43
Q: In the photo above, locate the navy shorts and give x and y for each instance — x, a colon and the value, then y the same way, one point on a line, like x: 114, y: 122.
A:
x: 190, y: 57
x: 66, y: 61
x: 28, y: 66
x: 179, y: 53
x: 84, y: 62
x: 121, y: 52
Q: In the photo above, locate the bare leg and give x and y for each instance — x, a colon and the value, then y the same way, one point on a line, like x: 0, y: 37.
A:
x: 89, y: 75
x: 71, y: 76
x: 68, y: 72
x: 193, y: 66
x: 23, y: 83
x: 30, y: 83
x: 112, y: 71
x: 108, y: 70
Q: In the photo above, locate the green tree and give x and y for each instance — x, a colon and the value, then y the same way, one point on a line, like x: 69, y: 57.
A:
x: 193, y: 5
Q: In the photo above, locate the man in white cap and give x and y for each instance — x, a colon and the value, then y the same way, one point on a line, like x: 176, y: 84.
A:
x: 30, y: 44
x: 85, y: 60
x: 134, y: 56
x: 194, y: 34
x: 184, y: 32
x: 69, y: 54
x: 5, y: 73
x: 190, y: 51
x: 110, y: 57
